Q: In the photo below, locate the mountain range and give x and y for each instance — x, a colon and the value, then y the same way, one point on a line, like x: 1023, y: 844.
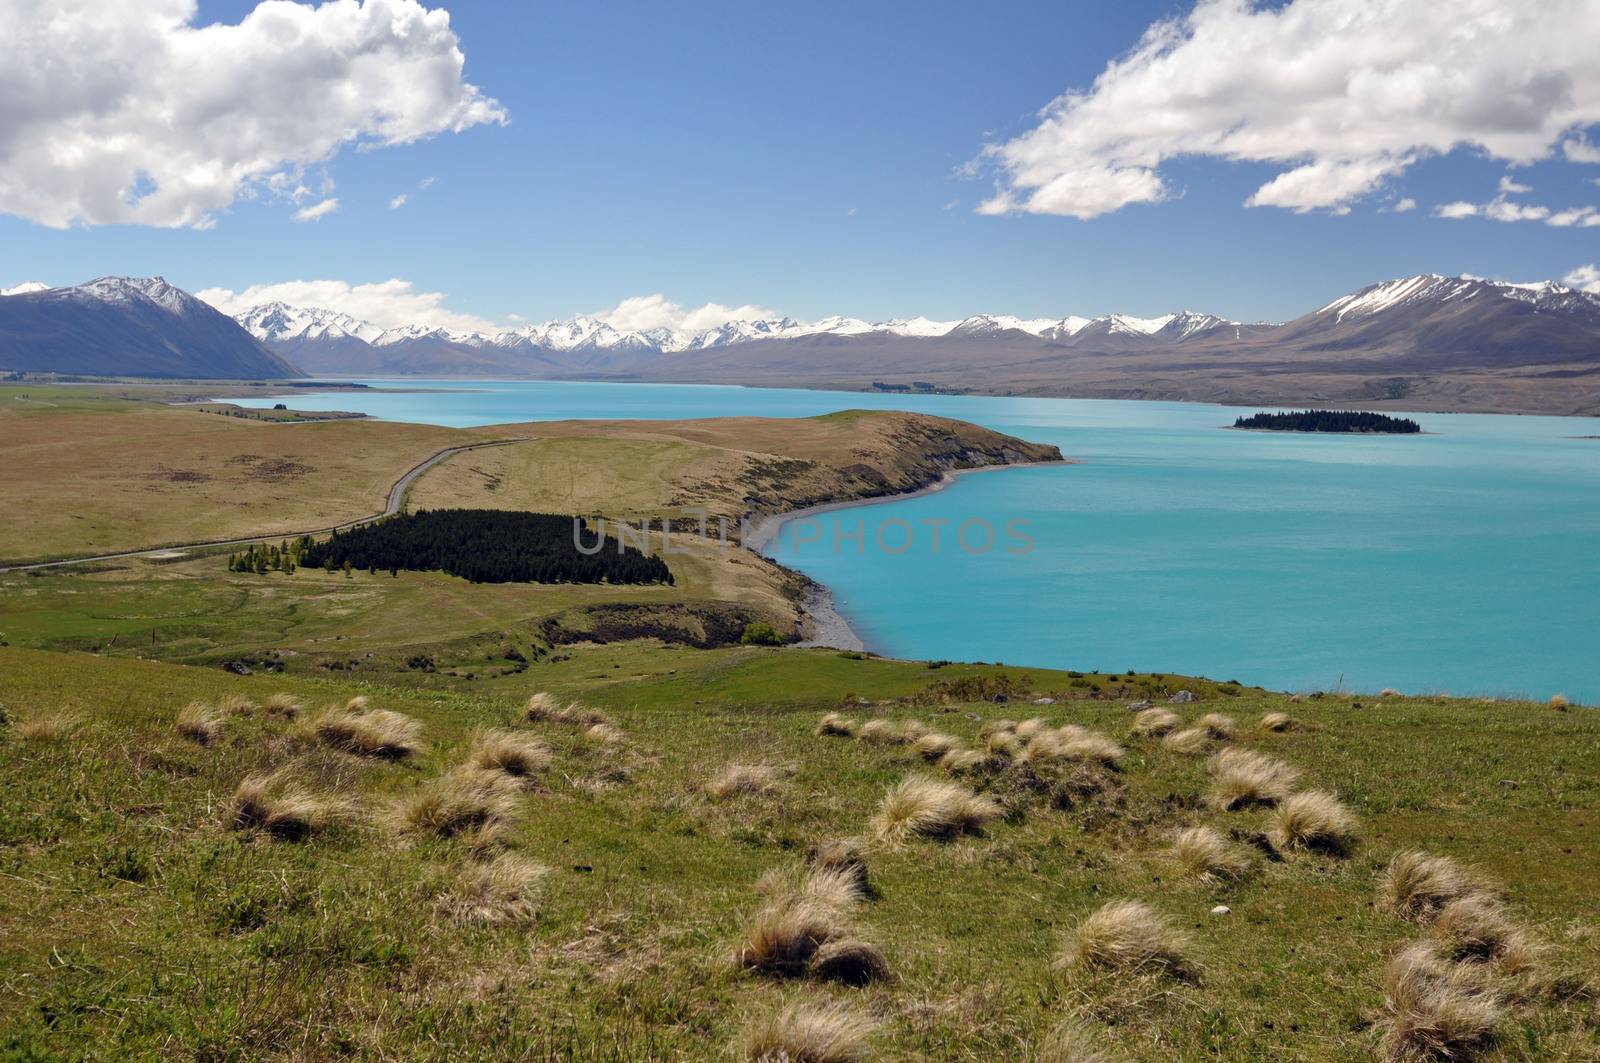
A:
x: 1422, y: 342
x: 127, y: 326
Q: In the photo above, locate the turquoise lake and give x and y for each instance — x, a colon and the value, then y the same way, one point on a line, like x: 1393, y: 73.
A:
x: 1465, y: 560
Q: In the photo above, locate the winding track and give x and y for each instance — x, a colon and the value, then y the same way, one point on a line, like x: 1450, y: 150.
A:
x: 397, y: 499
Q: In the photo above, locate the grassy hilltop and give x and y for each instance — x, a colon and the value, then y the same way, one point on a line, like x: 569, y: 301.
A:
x: 593, y: 908
x: 444, y: 820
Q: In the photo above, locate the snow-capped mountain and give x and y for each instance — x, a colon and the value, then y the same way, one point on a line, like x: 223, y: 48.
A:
x: 129, y: 326
x: 24, y: 288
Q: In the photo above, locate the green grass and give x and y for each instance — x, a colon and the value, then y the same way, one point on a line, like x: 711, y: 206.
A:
x: 134, y: 925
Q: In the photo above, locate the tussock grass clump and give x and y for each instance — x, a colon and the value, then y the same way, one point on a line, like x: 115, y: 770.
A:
x: 1190, y: 742
x: 837, y: 725
x: 1029, y: 727
x: 842, y: 855
x: 1435, y: 1010
x: 275, y: 806
x: 1093, y: 748
x: 808, y: 1033
x: 1207, y: 854
x: 786, y: 934
x: 1072, y: 1042
x: 921, y: 807
x: 1316, y: 821
x: 545, y: 708
x: 934, y: 745
x: 369, y: 732
x: 359, y: 703
x: 962, y: 761
x: 1004, y: 744
x: 238, y: 705
x: 604, y: 733
x: 836, y: 889
x: 1155, y: 722
x: 199, y: 723
x: 1280, y: 721
x: 503, y: 889
x: 990, y: 727
x: 283, y: 706
x: 1560, y: 703
x: 1390, y: 692
x: 1128, y: 936
x: 51, y: 727
x: 1416, y: 885
x: 742, y: 780
x: 849, y: 961
x: 891, y: 732
x: 540, y: 705
x: 1218, y: 726
x: 464, y: 800
x: 1242, y: 779
x: 802, y: 930
x: 513, y: 752
x: 1477, y: 929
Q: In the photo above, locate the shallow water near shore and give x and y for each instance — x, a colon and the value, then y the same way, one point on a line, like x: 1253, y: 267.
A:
x: 1465, y: 560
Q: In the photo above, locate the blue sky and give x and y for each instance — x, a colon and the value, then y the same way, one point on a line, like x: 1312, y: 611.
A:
x: 810, y: 159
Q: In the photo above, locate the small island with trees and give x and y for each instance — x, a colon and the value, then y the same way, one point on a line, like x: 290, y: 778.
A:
x: 1344, y: 421
x: 480, y: 545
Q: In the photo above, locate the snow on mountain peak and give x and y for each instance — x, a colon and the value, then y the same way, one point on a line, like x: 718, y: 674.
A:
x: 25, y: 288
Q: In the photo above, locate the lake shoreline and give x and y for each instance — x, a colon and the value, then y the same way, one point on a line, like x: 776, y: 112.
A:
x: 829, y: 626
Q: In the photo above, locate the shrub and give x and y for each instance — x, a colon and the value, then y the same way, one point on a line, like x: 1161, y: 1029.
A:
x: 1315, y: 821
x: 1242, y: 778
x: 1128, y: 936
x: 1416, y: 885
x: 1191, y: 742
x: 835, y: 724
x: 466, y: 799
x: 921, y: 807
x: 501, y: 890
x: 369, y: 732
x: 199, y: 723
x: 1205, y: 853
x: 809, y: 1033
x: 760, y: 633
x: 277, y: 807
x: 1155, y: 722
x: 1435, y: 1010
x: 739, y: 780
x: 512, y: 752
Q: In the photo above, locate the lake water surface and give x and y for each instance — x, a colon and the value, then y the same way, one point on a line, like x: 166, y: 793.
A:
x: 1465, y: 560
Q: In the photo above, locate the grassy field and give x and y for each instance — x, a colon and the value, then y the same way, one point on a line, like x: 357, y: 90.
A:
x: 87, y: 473
x: 136, y: 922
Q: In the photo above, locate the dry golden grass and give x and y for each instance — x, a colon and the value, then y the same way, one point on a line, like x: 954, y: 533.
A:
x: 543, y: 707
x: 1207, y: 854
x: 51, y: 727
x: 1004, y: 744
x: 1390, y: 692
x: 963, y: 761
x: 283, y: 706
x: 1029, y: 727
x: 1190, y: 742
x: 359, y: 703
x: 1559, y: 702
x: 849, y: 961
x: 503, y: 889
x: 1156, y: 722
x: 1477, y: 929
x: 1279, y: 721
x: 808, y: 1032
x: 1073, y: 1041
x: 1416, y: 885
x: 513, y: 752
x: 837, y: 725
x: 368, y: 732
x: 1314, y: 820
x: 989, y: 727
x: 1093, y: 748
x: 1242, y: 779
x: 834, y: 889
x: 842, y: 855
x: 237, y: 705
x: 1220, y: 727
x: 199, y: 723
x: 918, y: 806
x: 463, y: 800
x: 742, y: 780
x: 279, y: 807
x: 604, y: 733
x: 786, y: 934
x: 802, y: 929
x: 1128, y: 936
x: 1435, y: 1010
x: 934, y: 745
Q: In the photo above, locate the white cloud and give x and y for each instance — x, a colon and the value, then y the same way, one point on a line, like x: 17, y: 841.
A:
x: 426, y: 183
x: 1344, y: 93
x: 317, y: 211
x: 1508, y: 187
x: 1578, y: 149
x: 657, y: 311
x: 1404, y: 205
x: 1458, y: 209
x: 398, y: 201
x: 1584, y: 278
x: 387, y: 304
x: 1502, y: 209
x: 129, y: 113
x: 1582, y: 217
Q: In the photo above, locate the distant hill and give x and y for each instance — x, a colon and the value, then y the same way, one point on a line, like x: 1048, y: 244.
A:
x: 129, y: 326
x: 1429, y: 342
